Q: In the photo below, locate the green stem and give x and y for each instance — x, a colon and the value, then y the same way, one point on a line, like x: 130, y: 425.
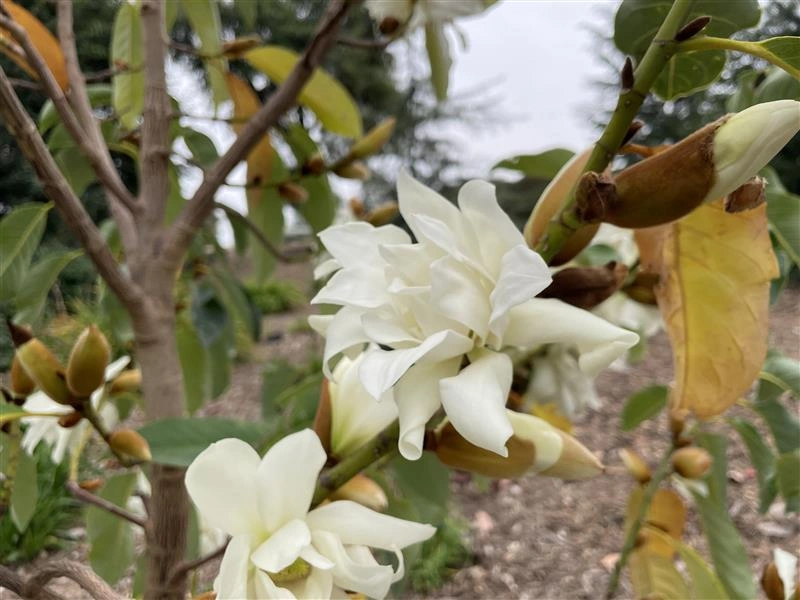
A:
x: 663, y: 469
x: 383, y: 444
x: 754, y: 48
x: 658, y: 54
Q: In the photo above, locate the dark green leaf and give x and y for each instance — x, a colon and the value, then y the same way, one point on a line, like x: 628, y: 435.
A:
x: 689, y: 73
x: 192, y: 355
x: 236, y: 301
x: 200, y: 145
x: 763, y: 460
x: 278, y: 376
x: 109, y: 536
x: 644, y: 404
x: 788, y: 476
x: 20, y: 234
x: 778, y: 85
x: 205, y: 20
x: 208, y: 314
x: 76, y: 169
x: 25, y: 491
x: 425, y: 483
x: 537, y: 166
x: 99, y: 96
x: 779, y: 374
x: 218, y: 364
x: 178, y: 441
x: 786, y: 48
x: 32, y: 296
x: 783, y: 213
x: 784, y: 426
x: 267, y: 215
x: 745, y: 93
x: 127, y: 52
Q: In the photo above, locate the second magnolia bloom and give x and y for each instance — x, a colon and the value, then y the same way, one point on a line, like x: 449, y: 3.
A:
x: 435, y: 316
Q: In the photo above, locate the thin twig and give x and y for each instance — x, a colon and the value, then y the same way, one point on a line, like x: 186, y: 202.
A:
x: 183, y: 568
x: 198, y: 209
x: 9, y: 580
x: 24, y: 84
x: 89, y: 498
x: 77, y: 572
x: 364, y: 44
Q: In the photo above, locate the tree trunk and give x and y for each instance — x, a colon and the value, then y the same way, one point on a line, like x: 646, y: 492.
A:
x: 163, y: 393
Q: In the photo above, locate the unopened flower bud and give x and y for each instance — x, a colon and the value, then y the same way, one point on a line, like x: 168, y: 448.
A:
x: 70, y: 419
x: 87, y: 362
x: 642, y: 288
x: 19, y: 380
x: 354, y: 170
x: 357, y: 208
x: 691, y: 462
x: 382, y: 214
x: 45, y: 370
x: 389, y: 25
x: 586, y: 287
x: 374, y: 140
x: 635, y: 465
x: 576, y: 461
x: 747, y: 196
x: 363, y: 490
x: 549, y: 203
x: 315, y: 165
x: 323, y: 417
x: 127, y: 381
x: 91, y: 485
x: 293, y: 192
x: 129, y: 444
x: 771, y: 583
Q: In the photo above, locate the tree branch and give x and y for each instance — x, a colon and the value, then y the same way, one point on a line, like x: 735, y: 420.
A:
x: 89, y: 498
x: 56, y: 187
x: 9, y: 580
x: 77, y: 572
x: 198, y: 209
x: 185, y: 567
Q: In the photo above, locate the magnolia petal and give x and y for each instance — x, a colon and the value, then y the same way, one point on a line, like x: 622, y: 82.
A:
x: 417, y: 200
x: 116, y: 367
x: 342, y: 332
x: 222, y: 484
x: 315, y: 559
x: 417, y: 398
x: 355, y: 243
x: 385, y: 328
x: 360, y: 286
x: 475, y: 400
x: 67, y: 438
x: 410, y: 261
x: 370, y: 579
x: 548, y: 321
x: 266, y: 589
x: 358, y: 525
x: 232, y: 580
x: 283, y: 547
x: 382, y: 368
x: 523, y: 274
x: 287, y: 476
x: 456, y: 291
x: 319, y: 584
x: 545, y: 438
x: 325, y: 268
x: 495, y: 231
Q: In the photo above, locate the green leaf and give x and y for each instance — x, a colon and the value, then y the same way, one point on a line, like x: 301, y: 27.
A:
x: 745, y: 93
x: 636, y: 24
x: 727, y: 550
x: 177, y: 441
x: 20, y: 234
x: 205, y: 20
x: 655, y: 576
x: 597, y: 255
x: 248, y: 10
x: 783, y: 213
x: 778, y: 85
x: 192, y: 356
x: 763, y: 460
x: 267, y: 215
x: 277, y: 377
x: 25, y: 491
x: 219, y: 364
x: 236, y: 301
x: 788, y: 476
x: 109, y: 536
x: 10, y: 412
x: 200, y: 145
x: 127, y: 51
x: 425, y: 483
x: 644, y: 404
x: 99, y: 95
x: 209, y: 317
x: 544, y: 165
x: 330, y: 101
x: 779, y: 374
x: 704, y: 582
x: 785, y: 48
x: 32, y: 296
x: 439, y: 58
x: 76, y: 169
x: 784, y: 426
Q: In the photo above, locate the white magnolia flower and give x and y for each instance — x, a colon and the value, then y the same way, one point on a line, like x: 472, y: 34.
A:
x: 419, y: 12
x: 557, y: 379
x: 278, y: 548
x: 441, y: 311
x: 63, y: 439
x: 355, y: 416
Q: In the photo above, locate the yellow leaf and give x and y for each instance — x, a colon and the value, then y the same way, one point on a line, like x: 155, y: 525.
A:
x: 715, y: 271
x: 44, y: 41
x: 330, y: 101
x: 667, y: 513
x: 549, y: 412
x: 655, y: 576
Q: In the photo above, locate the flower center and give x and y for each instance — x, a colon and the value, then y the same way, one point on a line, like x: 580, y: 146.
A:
x: 296, y: 571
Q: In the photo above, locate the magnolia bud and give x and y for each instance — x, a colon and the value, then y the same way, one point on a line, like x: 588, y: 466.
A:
x: 45, y: 370
x: 389, y: 25
x: 19, y: 380
x: 363, y: 490
x: 771, y: 583
x: 91, y: 485
x: 353, y: 170
x: 747, y: 196
x: 374, y: 140
x: 635, y: 465
x: 642, y: 288
x: 576, y: 461
x: 127, y: 381
x: 586, y: 287
x: 691, y: 462
x: 292, y: 192
x: 315, y: 165
x: 87, y: 362
x: 382, y: 214
x: 357, y: 208
x: 549, y: 203
x: 70, y: 419
x: 129, y: 444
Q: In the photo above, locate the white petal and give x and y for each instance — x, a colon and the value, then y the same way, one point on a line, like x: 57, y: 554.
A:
x: 315, y: 559
x: 66, y: 440
x: 356, y: 243
x: 456, y: 291
x: 116, y: 367
x: 356, y: 524
x: 385, y: 327
x: 232, y: 581
x: 544, y: 436
x: 318, y: 585
x: 410, y: 261
x: 266, y: 589
x: 786, y: 564
x: 41, y: 402
x: 362, y: 286
x: 547, y: 321
x: 342, y: 332
x: 283, y: 547
x: 370, y: 579
x: 417, y: 398
x: 287, y: 476
x: 415, y: 199
x: 523, y: 274
x: 222, y: 484
x: 325, y: 268
x: 382, y: 368
x: 475, y: 400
